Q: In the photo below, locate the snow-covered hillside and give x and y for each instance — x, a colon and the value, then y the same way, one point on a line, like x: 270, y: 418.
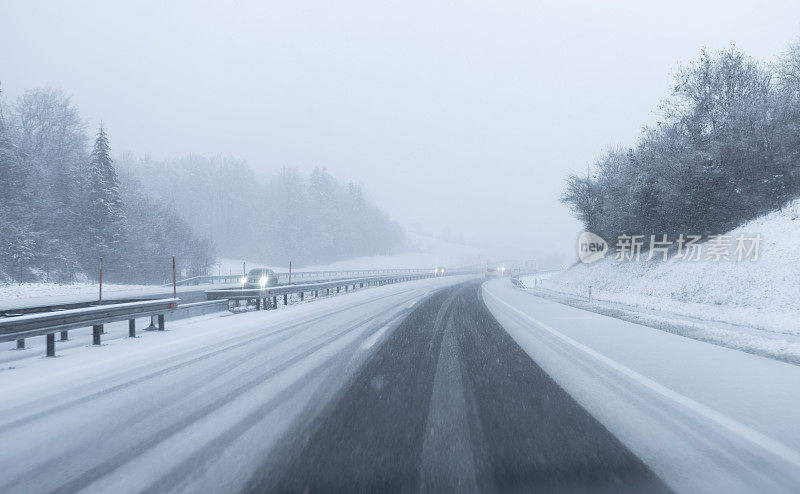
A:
x: 763, y: 294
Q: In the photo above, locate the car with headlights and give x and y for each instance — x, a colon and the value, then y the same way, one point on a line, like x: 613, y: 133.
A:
x: 260, y: 278
x: 438, y: 271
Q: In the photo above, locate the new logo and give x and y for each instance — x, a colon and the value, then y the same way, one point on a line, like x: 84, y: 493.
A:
x: 591, y: 247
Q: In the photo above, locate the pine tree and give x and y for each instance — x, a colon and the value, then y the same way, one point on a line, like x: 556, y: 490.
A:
x: 104, y: 216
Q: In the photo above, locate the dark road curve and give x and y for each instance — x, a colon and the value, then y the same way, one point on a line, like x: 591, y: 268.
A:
x: 450, y: 403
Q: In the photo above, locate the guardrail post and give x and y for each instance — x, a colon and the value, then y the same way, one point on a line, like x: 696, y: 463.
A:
x: 152, y: 326
x: 301, y: 296
x: 285, y: 299
x: 338, y: 289
x: 131, y: 328
x: 161, y: 322
x: 64, y: 336
x: 97, y: 330
x: 21, y: 344
x: 51, y: 344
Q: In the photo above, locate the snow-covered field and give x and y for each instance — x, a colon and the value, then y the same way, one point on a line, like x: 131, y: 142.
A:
x: 757, y: 302
x: 426, y: 253
x: 16, y: 291
x: 703, y: 417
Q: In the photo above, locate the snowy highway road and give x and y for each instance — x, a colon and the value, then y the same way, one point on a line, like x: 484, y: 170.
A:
x: 438, y: 385
x: 450, y: 403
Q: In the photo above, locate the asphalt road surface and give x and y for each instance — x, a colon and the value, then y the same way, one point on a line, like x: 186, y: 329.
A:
x: 408, y: 387
x: 450, y: 403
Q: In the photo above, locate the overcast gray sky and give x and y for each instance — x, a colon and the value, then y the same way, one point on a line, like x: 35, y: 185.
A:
x: 454, y: 115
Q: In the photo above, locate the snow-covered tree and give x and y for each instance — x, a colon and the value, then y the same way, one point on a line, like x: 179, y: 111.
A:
x: 726, y: 150
x: 103, y: 216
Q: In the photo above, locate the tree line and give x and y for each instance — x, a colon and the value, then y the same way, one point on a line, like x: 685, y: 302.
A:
x: 65, y: 203
x: 286, y: 216
x: 726, y: 149
x: 63, y: 206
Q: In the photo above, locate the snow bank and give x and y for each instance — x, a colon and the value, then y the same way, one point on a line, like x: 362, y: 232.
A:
x: 17, y: 291
x: 763, y: 294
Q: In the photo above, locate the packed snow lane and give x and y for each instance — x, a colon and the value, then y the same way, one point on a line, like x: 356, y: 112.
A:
x: 705, y: 418
x: 196, y: 408
x: 450, y: 403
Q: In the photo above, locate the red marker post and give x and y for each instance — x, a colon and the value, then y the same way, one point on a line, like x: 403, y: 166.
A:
x: 174, y: 280
x: 101, y: 282
x: 290, y: 273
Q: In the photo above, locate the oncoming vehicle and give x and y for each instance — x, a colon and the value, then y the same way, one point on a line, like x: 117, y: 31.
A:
x: 438, y: 271
x: 259, y: 278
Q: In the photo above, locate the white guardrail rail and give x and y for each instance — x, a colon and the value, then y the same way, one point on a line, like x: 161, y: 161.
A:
x: 53, y: 319
x: 267, y: 297
x: 56, y: 319
x: 21, y: 327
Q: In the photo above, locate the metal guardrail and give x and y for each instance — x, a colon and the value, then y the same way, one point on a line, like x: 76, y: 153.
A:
x: 13, y: 311
x: 48, y: 320
x: 268, y: 296
x: 27, y: 326
x: 515, y: 279
x: 299, y: 275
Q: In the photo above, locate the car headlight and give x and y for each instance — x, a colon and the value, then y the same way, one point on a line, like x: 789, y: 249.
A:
x: 244, y: 280
x: 263, y: 281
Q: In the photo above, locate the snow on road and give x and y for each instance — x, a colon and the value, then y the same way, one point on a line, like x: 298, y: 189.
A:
x: 703, y: 417
x: 780, y: 345
x: 200, y: 404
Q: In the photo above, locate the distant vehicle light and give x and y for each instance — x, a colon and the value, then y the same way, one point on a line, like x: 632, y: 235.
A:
x: 244, y: 280
x: 263, y: 281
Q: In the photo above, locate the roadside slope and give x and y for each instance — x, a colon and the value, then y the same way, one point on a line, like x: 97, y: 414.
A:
x: 762, y: 294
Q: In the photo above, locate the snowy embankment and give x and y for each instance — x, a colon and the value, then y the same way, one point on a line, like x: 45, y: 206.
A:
x: 17, y: 291
x: 752, y: 305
